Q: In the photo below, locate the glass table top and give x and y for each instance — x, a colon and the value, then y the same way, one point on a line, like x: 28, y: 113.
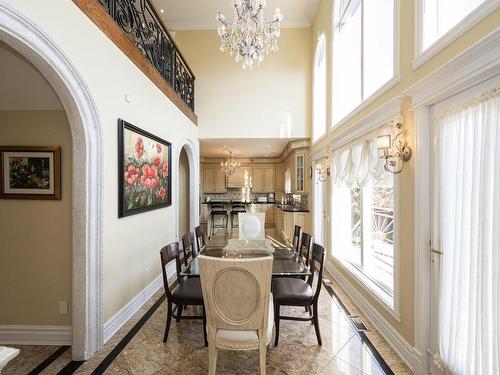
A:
x: 285, y: 263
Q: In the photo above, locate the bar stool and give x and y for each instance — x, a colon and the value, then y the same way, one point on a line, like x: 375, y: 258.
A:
x: 236, y: 208
x: 218, y: 210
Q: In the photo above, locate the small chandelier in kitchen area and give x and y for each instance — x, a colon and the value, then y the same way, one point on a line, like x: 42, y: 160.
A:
x: 249, y: 36
x: 230, y: 164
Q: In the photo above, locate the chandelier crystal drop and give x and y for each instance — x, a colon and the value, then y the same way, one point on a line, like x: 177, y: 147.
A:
x: 230, y: 164
x: 249, y: 37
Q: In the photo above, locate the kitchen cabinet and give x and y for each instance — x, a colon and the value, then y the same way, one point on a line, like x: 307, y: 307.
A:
x: 279, y: 179
x: 287, y: 222
x: 300, y: 173
x: 214, y: 179
x: 263, y: 179
x: 264, y: 208
x: 240, y: 178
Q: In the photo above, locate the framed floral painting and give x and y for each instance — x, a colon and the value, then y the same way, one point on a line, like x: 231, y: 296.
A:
x: 144, y: 165
x: 30, y: 172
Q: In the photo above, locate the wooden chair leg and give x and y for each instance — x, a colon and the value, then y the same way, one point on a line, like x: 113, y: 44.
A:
x: 212, y: 358
x: 169, y: 318
x: 179, y: 313
x: 262, y: 357
x: 205, y: 327
x: 316, y: 323
x: 277, y: 322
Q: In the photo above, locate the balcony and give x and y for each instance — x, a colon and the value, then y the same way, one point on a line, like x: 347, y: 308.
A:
x: 135, y: 27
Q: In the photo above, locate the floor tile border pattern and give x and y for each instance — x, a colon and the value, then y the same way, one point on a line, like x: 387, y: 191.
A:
x: 49, y: 360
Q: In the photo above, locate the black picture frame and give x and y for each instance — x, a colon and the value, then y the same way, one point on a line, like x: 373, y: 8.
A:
x: 133, y: 186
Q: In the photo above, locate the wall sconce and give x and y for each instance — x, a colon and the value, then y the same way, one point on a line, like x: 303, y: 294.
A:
x: 323, y: 169
x: 395, y: 151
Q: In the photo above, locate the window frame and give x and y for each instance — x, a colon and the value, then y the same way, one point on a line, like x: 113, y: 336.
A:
x: 387, y: 85
x: 367, y: 283
x: 322, y: 36
x: 421, y: 56
x: 369, y: 127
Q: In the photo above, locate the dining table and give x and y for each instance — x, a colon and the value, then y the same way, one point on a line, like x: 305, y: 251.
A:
x: 286, y: 262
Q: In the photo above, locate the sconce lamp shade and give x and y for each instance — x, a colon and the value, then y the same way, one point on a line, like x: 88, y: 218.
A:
x: 384, y: 142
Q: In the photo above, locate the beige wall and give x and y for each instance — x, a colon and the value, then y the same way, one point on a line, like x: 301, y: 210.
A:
x: 408, y: 76
x: 270, y: 101
x: 130, y: 245
x: 35, y: 250
x: 184, y: 196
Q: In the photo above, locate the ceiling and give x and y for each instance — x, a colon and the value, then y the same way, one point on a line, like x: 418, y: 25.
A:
x: 243, y: 148
x: 22, y: 86
x: 200, y: 14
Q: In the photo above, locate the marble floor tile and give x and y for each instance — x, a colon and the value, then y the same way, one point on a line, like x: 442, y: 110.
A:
x: 359, y: 355
x: 30, y: 356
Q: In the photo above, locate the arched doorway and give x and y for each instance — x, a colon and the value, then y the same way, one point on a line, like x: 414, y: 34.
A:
x: 21, y: 34
x: 184, y: 194
x: 188, y: 150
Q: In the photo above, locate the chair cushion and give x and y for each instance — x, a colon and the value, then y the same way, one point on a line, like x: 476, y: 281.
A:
x: 289, y: 291
x: 188, y: 292
x: 243, y: 336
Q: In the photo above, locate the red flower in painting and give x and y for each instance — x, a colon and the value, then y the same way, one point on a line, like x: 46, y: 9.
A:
x: 157, y: 162
x: 162, y: 193
x: 132, y: 174
x: 158, y: 148
x: 165, y: 170
x: 139, y: 147
x: 149, y: 178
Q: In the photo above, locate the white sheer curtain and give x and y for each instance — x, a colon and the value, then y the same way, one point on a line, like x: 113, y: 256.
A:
x: 357, y: 164
x: 467, y: 219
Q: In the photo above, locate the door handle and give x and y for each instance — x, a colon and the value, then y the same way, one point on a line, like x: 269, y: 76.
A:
x: 436, y: 251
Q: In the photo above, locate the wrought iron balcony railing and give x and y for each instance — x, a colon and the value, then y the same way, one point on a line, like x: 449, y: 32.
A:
x: 143, y: 26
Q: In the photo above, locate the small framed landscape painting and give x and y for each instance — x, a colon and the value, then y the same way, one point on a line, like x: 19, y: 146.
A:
x: 30, y: 172
x: 144, y: 170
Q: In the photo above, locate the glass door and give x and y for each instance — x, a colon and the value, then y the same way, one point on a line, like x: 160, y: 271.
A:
x: 465, y: 251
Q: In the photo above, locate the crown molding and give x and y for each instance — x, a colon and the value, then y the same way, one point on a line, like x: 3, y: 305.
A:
x: 288, y: 23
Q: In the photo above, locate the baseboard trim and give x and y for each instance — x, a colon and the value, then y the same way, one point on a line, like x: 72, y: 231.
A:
x: 35, y: 335
x: 407, y: 353
x: 126, y: 312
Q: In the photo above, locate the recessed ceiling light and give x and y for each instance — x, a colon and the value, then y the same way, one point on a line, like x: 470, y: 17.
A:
x: 162, y: 11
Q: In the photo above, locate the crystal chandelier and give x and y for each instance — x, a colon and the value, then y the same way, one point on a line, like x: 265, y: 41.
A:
x: 249, y: 37
x: 230, y: 164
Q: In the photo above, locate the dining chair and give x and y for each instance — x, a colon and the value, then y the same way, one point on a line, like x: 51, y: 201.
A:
x: 187, y: 292
x: 297, y: 292
x: 296, y: 238
x: 305, y: 247
x: 239, y: 305
x: 200, y: 236
x: 252, y: 226
x: 188, y: 247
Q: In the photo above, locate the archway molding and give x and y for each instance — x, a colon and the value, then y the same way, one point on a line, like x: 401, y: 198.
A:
x: 22, y: 34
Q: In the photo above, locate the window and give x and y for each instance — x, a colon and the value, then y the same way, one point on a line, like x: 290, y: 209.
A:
x: 363, y: 52
x: 319, y: 89
x: 440, y: 22
x: 439, y: 16
x: 363, y: 218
